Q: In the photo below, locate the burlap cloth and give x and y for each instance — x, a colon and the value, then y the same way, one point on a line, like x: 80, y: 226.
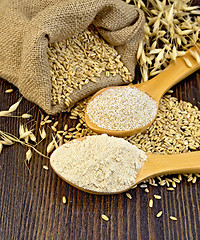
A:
x: 27, y: 26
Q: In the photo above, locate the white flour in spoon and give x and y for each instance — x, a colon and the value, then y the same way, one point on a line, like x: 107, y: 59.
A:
x: 121, y: 109
x: 99, y: 163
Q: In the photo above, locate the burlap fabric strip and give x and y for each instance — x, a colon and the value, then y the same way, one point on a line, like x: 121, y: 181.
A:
x: 27, y: 26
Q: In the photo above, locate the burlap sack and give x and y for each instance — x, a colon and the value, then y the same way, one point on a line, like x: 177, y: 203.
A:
x: 27, y: 26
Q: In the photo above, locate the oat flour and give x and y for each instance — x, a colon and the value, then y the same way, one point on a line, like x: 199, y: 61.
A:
x: 123, y: 108
x: 99, y: 163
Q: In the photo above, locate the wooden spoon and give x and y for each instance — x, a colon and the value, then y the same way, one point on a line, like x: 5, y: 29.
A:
x: 156, y: 87
x: 155, y: 165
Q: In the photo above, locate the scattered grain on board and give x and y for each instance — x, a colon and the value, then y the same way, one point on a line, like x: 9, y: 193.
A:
x: 173, y: 184
x: 194, y: 179
x: 143, y: 185
x: 151, y: 203
x: 176, y: 180
x: 129, y: 195
x: 53, y: 128
x: 64, y: 200
x: 45, y: 167
x: 48, y: 121
x: 190, y: 179
x: 9, y: 90
x: 170, y: 189
x: 104, y: 217
x: 159, y: 214
x: 173, y: 218
x: 157, y: 196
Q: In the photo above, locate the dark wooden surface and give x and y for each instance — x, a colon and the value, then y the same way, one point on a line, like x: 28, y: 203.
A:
x: 31, y: 200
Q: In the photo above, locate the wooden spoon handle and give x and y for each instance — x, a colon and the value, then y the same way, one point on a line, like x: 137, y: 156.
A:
x: 171, y: 75
x: 157, y: 164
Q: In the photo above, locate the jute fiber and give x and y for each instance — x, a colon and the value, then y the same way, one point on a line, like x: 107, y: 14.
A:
x: 27, y: 27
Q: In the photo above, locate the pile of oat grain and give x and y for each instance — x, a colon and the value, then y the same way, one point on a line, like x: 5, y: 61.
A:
x: 79, y: 61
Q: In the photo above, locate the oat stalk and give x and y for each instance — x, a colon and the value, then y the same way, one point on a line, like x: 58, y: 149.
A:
x: 17, y: 140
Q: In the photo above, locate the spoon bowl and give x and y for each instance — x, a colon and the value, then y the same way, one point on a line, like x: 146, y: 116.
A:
x: 155, y: 165
x: 155, y: 88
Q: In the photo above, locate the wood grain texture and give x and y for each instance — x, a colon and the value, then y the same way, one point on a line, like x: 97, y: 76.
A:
x: 31, y: 201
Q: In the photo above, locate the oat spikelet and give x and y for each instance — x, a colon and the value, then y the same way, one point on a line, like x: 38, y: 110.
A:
x: 174, y: 53
x: 55, y: 143
x: 195, y: 55
x: 28, y: 155
x: 186, y: 32
x: 169, y: 24
x: 10, y: 139
x: 50, y: 147
x: 32, y: 137
x: 1, y: 147
x: 55, y: 124
x: 6, y: 141
x: 140, y: 48
x: 159, y: 5
x: 21, y: 129
x: 4, y: 113
x: 43, y: 133
x: 189, y: 8
x: 54, y: 128
x: 14, y: 106
x: 25, y: 134
x: 187, y: 61
x: 26, y: 138
x: 181, y: 53
x: 169, y: 15
x: 160, y: 55
x: 196, y: 12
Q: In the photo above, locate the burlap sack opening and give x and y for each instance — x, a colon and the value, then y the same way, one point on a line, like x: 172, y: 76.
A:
x: 27, y: 26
